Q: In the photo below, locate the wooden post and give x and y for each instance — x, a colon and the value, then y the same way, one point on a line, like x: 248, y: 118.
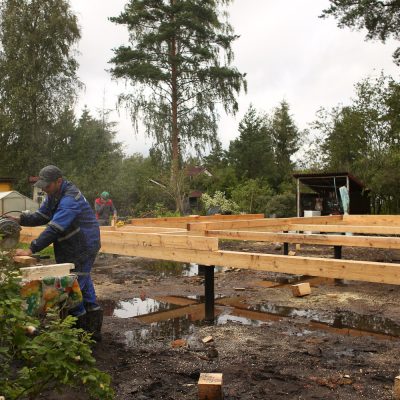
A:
x: 209, y: 293
x: 210, y: 386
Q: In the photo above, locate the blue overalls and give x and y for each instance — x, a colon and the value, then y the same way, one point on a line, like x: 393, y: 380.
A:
x: 74, y: 231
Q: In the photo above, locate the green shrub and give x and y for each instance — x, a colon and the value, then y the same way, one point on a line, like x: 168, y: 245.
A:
x: 282, y: 205
x: 219, y: 200
x: 252, y: 195
x: 58, y: 355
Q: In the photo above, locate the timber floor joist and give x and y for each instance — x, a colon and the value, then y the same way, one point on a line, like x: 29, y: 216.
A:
x: 166, y: 239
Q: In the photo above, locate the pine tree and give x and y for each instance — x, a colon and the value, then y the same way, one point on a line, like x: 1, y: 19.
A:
x: 179, y: 64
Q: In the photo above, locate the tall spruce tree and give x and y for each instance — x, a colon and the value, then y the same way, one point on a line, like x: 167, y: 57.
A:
x: 251, y: 153
x: 285, y: 137
x: 179, y: 65
x: 37, y: 79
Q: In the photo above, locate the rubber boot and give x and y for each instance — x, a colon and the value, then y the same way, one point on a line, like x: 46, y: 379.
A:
x: 92, y: 322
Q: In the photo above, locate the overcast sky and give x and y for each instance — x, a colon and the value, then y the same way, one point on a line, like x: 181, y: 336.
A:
x: 286, y: 51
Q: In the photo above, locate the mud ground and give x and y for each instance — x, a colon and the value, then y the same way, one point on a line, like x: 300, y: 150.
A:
x: 295, y: 348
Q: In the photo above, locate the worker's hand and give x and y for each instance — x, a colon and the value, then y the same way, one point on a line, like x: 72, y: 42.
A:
x: 22, y: 252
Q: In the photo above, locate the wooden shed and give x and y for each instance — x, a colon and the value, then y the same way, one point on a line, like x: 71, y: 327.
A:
x: 321, y: 192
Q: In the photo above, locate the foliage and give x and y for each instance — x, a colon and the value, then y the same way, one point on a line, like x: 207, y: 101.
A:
x: 37, y: 80
x: 219, y: 201
x: 88, y: 155
x: 364, y: 138
x: 381, y: 18
x: 252, y: 195
x: 58, y: 355
x: 178, y: 63
x: 132, y: 190
x: 251, y: 154
x: 282, y: 205
x: 285, y: 138
x: 161, y: 211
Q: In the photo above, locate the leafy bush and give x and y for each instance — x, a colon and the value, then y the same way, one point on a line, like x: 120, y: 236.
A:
x: 219, y: 200
x: 252, y: 195
x: 282, y: 205
x: 58, y: 355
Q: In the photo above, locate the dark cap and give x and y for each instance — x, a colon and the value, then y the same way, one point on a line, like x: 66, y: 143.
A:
x: 47, y: 175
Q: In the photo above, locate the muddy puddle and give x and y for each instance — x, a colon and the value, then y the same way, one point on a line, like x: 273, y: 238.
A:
x: 173, y: 317
x: 171, y: 268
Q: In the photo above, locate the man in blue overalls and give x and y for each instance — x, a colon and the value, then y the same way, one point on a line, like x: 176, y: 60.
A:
x: 74, y: 231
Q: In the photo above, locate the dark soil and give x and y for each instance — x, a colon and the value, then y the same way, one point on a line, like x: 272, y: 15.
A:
x: 304, y: 353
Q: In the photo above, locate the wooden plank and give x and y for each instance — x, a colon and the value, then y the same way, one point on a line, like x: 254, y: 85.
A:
x: 25, y: 260
x: 144, y: 239
x: 28, y: 233
x: 266, y: 222
x: 145, y: 229
x: 171, y: 221
x: 365, y: 220
x: 159, y: 240
x: 42, y: 271
x: 329, y: 268
x: 373, y: 229
x: 326, y: 240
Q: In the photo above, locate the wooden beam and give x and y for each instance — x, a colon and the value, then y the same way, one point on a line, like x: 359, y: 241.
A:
x: 171, y: 240
x: 373, y: 229
x: 42, y: 271
x: 329, y: 268
x: 181, y: 221
x: 266, y: 222
x: 143, y: 229
x: 25, y: 260
x: 28, y: 233
x: 159, y: 240
x: 326, y: 240
x: 380, y: 220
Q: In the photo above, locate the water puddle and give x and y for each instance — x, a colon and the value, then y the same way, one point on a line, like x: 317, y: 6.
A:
x: 171, y: 268
x: 161, y: 331
x: 136, y: 307
x: 339, y: 320
x: 171, y: 317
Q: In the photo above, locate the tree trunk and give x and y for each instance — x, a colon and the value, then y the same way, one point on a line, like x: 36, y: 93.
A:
x: 175, y: 167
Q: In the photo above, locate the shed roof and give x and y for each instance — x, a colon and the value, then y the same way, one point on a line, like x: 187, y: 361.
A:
x: 5, y: 194
x: 325, y: 178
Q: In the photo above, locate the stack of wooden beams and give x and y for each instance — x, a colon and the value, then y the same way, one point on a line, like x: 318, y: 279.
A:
x: 195, y: 239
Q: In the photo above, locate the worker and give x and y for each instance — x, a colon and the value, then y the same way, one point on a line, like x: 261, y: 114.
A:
x: 74, y: 231
x: 104, y: 208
